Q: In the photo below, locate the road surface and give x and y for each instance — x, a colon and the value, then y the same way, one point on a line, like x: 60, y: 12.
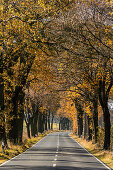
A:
x: 57, y: 151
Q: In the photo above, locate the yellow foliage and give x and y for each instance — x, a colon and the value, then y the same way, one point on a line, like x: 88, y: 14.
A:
x: 87, y: 109
x: 109, y: 42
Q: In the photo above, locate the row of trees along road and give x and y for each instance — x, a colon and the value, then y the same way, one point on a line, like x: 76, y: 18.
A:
x: 53, y: 47
x: 86, y: 49
x: 22, y: 38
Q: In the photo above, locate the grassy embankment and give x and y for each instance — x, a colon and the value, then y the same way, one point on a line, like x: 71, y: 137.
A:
x: 104, y: 156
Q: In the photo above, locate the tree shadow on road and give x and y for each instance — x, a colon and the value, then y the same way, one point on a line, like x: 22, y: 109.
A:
x: 20, y: 167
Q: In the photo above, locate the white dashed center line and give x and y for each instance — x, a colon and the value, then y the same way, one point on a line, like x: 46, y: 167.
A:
x: 55, y: 159
x: 54, y: 165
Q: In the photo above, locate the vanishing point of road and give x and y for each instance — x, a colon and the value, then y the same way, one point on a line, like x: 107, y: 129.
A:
x: 56, y: 151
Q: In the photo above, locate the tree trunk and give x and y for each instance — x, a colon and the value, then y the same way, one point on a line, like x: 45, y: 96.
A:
x: 21, y: 116
x: 103, y: 98
x: 2, y: 116
x: 89, y: 137
x: 49, y: 119
x: 35, y: 124
x: 13, y: 132
x: 85, y: 126
x: 67, y: 124
x: 61, y: 121
x: 46, y: 121
x: 20, y: 129
x: 79, y: 117
x: 32, y: 126
x: 60, y: 124
x: 43, y: 122
x: 52, y: 122
x: 37, y: 115
x: 107, y: 126
x: 95, y: 117
x: 40, y: 123
x: 28, y: 130
x: 80, y: 123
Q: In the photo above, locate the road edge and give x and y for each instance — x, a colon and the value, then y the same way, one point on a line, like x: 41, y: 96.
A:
x: 24, y: 151
x: 91, y: 154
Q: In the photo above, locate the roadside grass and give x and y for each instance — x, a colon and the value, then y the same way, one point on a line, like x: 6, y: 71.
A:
x: 14, y: 150
x: 103, y: 155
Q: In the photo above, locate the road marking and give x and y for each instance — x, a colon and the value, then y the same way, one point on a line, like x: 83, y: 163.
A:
x: 91, y: 154
x: 54, y: 165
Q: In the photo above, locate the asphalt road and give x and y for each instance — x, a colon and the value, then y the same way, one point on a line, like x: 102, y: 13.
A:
x: 56, y: 151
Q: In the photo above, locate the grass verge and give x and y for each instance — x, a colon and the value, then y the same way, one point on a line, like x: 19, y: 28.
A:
x: 104, y: 156
x: 14, y: 150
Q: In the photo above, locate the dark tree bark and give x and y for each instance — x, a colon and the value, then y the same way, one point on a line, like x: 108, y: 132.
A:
x: 28, y: 130
x: 40, y: 123
x: 63, y: 123
x: 45, y: 121
x: 52, y: 122
x: 49, y: 120
x: 80, y: 123
x: 79, y: 117
x: 34, y: 119
x: 103, y: 98
x: 20, y: 128
x: 60, y: 124
x: 85, y: 127
x: 2, y: 116
x: 95, y: 117
x: 21, y: 116
x: 13, y: 132
x: 20, y: 124
x: 27, y: 119
x: 36, y: 124
x: 89, y: 130
x: 67, y: 124
x: 32, y: 126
